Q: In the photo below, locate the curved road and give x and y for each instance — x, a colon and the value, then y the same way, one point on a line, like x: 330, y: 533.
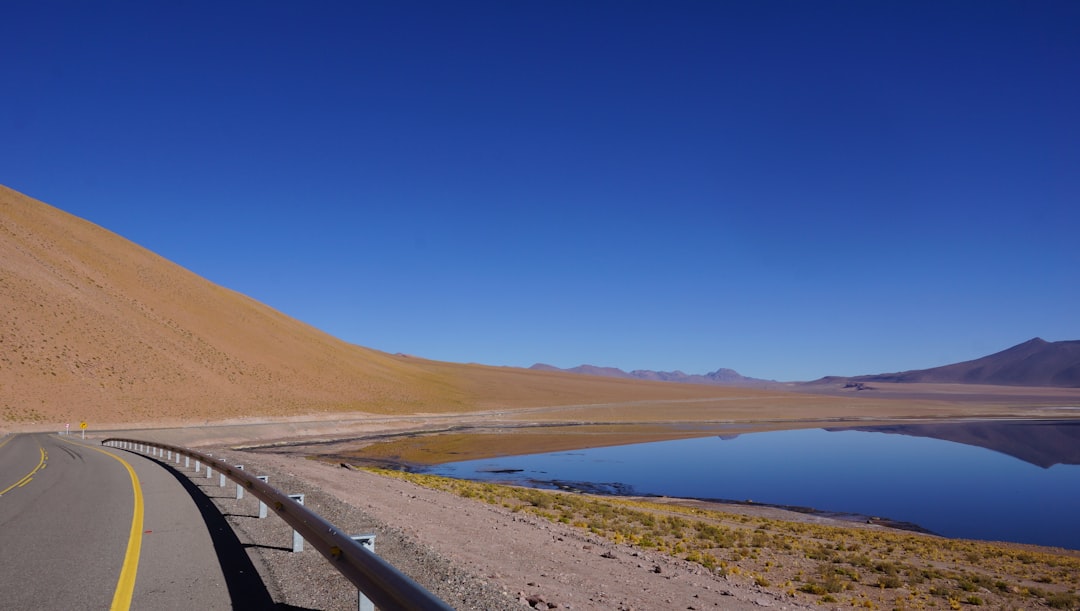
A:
x: 87, y: 527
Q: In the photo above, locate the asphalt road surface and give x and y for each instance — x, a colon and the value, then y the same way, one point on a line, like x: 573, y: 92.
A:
x: 88, y: 527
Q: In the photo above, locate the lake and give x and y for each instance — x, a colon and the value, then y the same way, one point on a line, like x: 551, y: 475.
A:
x: 1002, y: 481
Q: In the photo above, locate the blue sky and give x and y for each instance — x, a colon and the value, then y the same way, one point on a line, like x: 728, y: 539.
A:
x: 789, y: 189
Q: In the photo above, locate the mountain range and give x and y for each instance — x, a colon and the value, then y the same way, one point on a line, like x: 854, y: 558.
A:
x: 1035, y: 362
x: 721, y: 377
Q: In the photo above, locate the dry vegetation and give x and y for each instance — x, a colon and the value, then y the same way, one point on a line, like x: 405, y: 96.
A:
x: 866, y: 567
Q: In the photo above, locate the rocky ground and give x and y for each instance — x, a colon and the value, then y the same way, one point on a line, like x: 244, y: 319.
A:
x: 471, y: 554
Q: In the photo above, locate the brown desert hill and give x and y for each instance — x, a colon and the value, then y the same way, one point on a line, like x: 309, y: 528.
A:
x: 97, y: 328
x: 1035, y: 362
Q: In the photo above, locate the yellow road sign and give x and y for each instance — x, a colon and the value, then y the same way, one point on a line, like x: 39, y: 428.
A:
x: 82, y: 425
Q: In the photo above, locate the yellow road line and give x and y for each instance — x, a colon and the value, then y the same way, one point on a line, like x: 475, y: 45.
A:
x: 126, y: 584
x: 26, y: 478
x: 7, y: 439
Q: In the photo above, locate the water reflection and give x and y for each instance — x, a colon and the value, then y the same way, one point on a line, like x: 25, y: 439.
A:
x: 1042, y: 443
x: 958, y: 489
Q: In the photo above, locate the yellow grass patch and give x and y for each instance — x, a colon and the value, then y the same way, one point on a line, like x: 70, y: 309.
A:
x: 861, y: 566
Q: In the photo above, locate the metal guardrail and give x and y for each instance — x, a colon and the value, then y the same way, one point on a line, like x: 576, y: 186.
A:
x: 388, y: 588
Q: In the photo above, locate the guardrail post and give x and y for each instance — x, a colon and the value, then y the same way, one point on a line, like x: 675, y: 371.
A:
x: 221, y: 480
x: 209, y: 471
x: 297, y: 540
x: 187, y: 462
x: 363, y: 603
x: 262, y: 506
x: 198, y: 466
x: 239, y: 488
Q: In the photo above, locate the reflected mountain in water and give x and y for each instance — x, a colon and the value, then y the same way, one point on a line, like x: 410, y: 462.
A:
x: 1039, y: 442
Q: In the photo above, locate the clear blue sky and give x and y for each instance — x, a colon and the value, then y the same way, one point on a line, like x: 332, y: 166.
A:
x: 789, y: 189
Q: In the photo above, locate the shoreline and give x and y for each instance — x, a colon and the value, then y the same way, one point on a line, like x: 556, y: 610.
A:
x: 532, y: 554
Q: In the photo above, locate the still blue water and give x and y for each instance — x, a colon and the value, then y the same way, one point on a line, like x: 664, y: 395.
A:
x: 949, y: 488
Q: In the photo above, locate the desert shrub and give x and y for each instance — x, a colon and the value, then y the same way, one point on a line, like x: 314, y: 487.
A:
x: 709, y: 561
x: 539, y: 499
x: 860, y: 560
x: 941, y: 591
x: 888, y: 568
x: 889, y: 581
x: 1063, y: 600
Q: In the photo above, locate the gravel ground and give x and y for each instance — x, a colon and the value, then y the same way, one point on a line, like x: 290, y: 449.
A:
x: 470, y: 554
x: 307, y: 580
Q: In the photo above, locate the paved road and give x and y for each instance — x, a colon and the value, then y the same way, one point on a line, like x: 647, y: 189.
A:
x: 87, y: 527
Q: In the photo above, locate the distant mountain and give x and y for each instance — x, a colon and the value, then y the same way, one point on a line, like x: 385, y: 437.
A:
x: 1036, y: 362
x: 720, y: 377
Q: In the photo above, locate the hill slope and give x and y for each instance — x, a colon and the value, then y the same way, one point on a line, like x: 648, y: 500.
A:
x: 1036, y: 362
x: 96, y: 327
x: 100, y: 324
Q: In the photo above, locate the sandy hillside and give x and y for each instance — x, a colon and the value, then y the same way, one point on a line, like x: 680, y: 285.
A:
x: 98, y: 328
